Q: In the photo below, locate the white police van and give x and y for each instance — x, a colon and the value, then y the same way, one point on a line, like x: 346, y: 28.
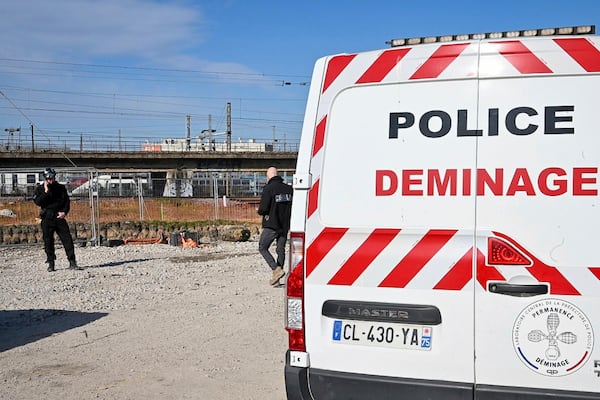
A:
x: 444, y: 234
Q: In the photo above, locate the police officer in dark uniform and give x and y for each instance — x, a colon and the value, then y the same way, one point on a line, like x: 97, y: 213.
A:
x: 275, y: 207
x: 53, y: 199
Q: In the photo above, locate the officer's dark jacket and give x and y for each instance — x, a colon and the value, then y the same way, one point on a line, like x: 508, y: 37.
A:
x: 57, y: 199
x: 276, y: 205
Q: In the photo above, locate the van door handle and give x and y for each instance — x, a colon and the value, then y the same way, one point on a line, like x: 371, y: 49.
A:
x: 517, y: 290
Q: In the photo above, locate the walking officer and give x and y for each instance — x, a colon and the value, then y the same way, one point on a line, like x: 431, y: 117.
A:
x: 275, y: 207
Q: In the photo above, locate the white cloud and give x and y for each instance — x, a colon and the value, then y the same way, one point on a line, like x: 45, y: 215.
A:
x: 88, y: 28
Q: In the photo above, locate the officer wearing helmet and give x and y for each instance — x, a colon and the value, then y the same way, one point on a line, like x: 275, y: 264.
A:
x: 54, y: 203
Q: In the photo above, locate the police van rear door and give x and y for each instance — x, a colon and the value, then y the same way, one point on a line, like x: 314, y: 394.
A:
x: 538, y: 282
x: 389, y: 231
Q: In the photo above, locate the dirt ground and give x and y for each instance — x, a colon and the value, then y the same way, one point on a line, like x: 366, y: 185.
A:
x: 141, y: 322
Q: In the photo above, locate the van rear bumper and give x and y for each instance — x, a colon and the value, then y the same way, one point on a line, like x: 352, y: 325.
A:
x: 318, y: 384
x: 488, y: 392
x: 296, y: 383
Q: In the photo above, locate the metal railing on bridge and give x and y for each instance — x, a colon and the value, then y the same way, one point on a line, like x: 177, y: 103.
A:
x: 73, y: 142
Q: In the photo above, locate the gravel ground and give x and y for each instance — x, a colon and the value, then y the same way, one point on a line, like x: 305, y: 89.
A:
x: 141, y: 322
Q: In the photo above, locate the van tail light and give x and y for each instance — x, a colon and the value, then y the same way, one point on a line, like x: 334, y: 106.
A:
x: 501, y: 252
x: 295, y: 293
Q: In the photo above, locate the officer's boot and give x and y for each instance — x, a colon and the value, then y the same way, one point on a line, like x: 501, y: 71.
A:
x: 73, y: 265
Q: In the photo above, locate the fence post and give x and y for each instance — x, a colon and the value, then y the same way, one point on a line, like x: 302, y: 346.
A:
x: 216, y: 194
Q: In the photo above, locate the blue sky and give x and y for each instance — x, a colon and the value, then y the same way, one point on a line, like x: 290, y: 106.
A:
x: 132, y: 70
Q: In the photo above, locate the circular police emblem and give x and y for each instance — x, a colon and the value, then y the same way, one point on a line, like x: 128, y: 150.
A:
x: 553, y: 337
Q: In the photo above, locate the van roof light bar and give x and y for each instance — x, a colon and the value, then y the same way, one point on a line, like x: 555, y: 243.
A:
x: 567, y: 30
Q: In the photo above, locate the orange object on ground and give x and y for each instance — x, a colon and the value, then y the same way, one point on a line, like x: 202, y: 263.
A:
x: 188, y: 243
x: 131, y: 240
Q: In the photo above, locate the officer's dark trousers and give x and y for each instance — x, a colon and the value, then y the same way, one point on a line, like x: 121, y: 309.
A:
x: 60, y: 226
x: 267, y: 237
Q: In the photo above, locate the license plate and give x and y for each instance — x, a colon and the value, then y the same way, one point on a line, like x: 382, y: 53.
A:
x: 400, y: 336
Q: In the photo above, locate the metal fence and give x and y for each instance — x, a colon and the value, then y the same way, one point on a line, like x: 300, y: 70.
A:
x: 17, y: 188
x: 176, y: 195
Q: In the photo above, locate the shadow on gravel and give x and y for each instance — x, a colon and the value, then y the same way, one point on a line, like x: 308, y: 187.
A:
x: 117, y: 263
x: 207, y: 257
x: 21, y: 327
